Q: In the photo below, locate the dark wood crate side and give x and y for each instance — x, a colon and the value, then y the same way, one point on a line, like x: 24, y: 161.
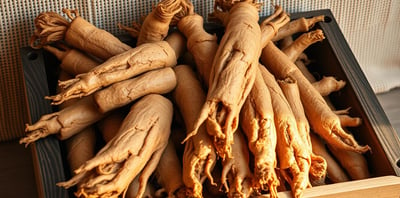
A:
x: 48, y: 163
x: 335, y: 58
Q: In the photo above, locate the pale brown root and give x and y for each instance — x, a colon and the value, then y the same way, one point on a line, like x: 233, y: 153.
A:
x: 293, y: 157
x: 257, y: 123
x: 150, y: 168
x: 285, y: 42
x: 302, y: 60
x: 50, y: 27
x: 133, y: 188
x: 159, y: 81
x: 136, y: 148
x: 301, y: 43
x: 109, y: 125
x: 46, y: 125
x: 232, y: 76
x: 177, y: 42
x: 290, y: 89
x: 271, y: 25
x: 72, y: 60
x: 335, y: 172
x: 236, y: 176
x: 133, y: 31
x: 80, y: 147
x: 318, y: 170
x: 354, y: 163
x: 321, y: 117
x: 118, y: 68
x: 156, y: 24
x: 98, y: 42
x: 65, y: 123
x: 348, y: 121
x: 187, y: 9
x: 298, y: 25
x: 345, y: 119
x: 202, y: 45
x: 328, y: 84
x: 169, y: 172
x: 199, y: 155
x: 304, y: 70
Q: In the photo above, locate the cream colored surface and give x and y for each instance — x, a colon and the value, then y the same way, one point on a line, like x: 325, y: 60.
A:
x: 370, y: 27
x: 378, y: 187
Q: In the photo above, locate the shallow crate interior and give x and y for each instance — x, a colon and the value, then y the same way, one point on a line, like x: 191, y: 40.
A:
x: 331, y: 57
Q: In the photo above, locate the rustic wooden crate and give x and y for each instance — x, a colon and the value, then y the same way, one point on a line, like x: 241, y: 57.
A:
x: 333, y: 57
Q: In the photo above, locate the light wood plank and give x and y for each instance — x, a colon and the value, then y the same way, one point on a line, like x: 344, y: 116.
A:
x: 379, y: 187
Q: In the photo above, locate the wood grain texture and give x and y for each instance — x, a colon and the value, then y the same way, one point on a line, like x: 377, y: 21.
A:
x: 46, y: 152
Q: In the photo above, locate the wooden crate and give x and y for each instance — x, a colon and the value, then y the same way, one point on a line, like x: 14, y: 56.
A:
x: 333, y: 57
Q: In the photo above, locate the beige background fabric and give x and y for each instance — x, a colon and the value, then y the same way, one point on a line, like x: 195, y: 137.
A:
x: 370, y: 27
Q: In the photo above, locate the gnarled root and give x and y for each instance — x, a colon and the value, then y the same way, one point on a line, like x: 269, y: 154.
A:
x: 136, y: 148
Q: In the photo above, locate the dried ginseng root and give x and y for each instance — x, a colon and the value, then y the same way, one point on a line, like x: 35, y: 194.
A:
x: 236, y: 176
x: 271, y: 25
x: 200, y: 44
x: 328, y: 84
x: 298, y: 25
x: 293, y: 157
x: 64, y: 123
x: 134, y: 187
x: 126, y: 65
x: 320, y: 116
x: 90, y: 109
x: 78, y: 33
x: 135, y: 149
x: 357, y: 166
x: 81, y: 146
x: 257, y: 123
x: 156, y: 25
x: 232, y: 74
x: 158, y: 81
x: 169, y: 174
x: 295, y: 50
x: 199, y: 155
x: 108, y: 127
x: 335, y: 173
x: 72, y: 61
x: 318, y: 166
x: 298, y: 46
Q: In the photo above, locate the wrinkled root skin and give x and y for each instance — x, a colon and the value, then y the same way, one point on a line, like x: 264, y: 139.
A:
x: 236, y: 176
x: 318, y: 170
x: 123, y: 66
x: 48, y: 124
x: 135, y: 149
x: 271, y: 25
x: 198, y: 164
x: 232, y: 75
x: 297, y: 177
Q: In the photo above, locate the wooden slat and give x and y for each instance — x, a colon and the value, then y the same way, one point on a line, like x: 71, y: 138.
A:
x: 380, y: 187
x: 46, y: 152
x: 335, y: 58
